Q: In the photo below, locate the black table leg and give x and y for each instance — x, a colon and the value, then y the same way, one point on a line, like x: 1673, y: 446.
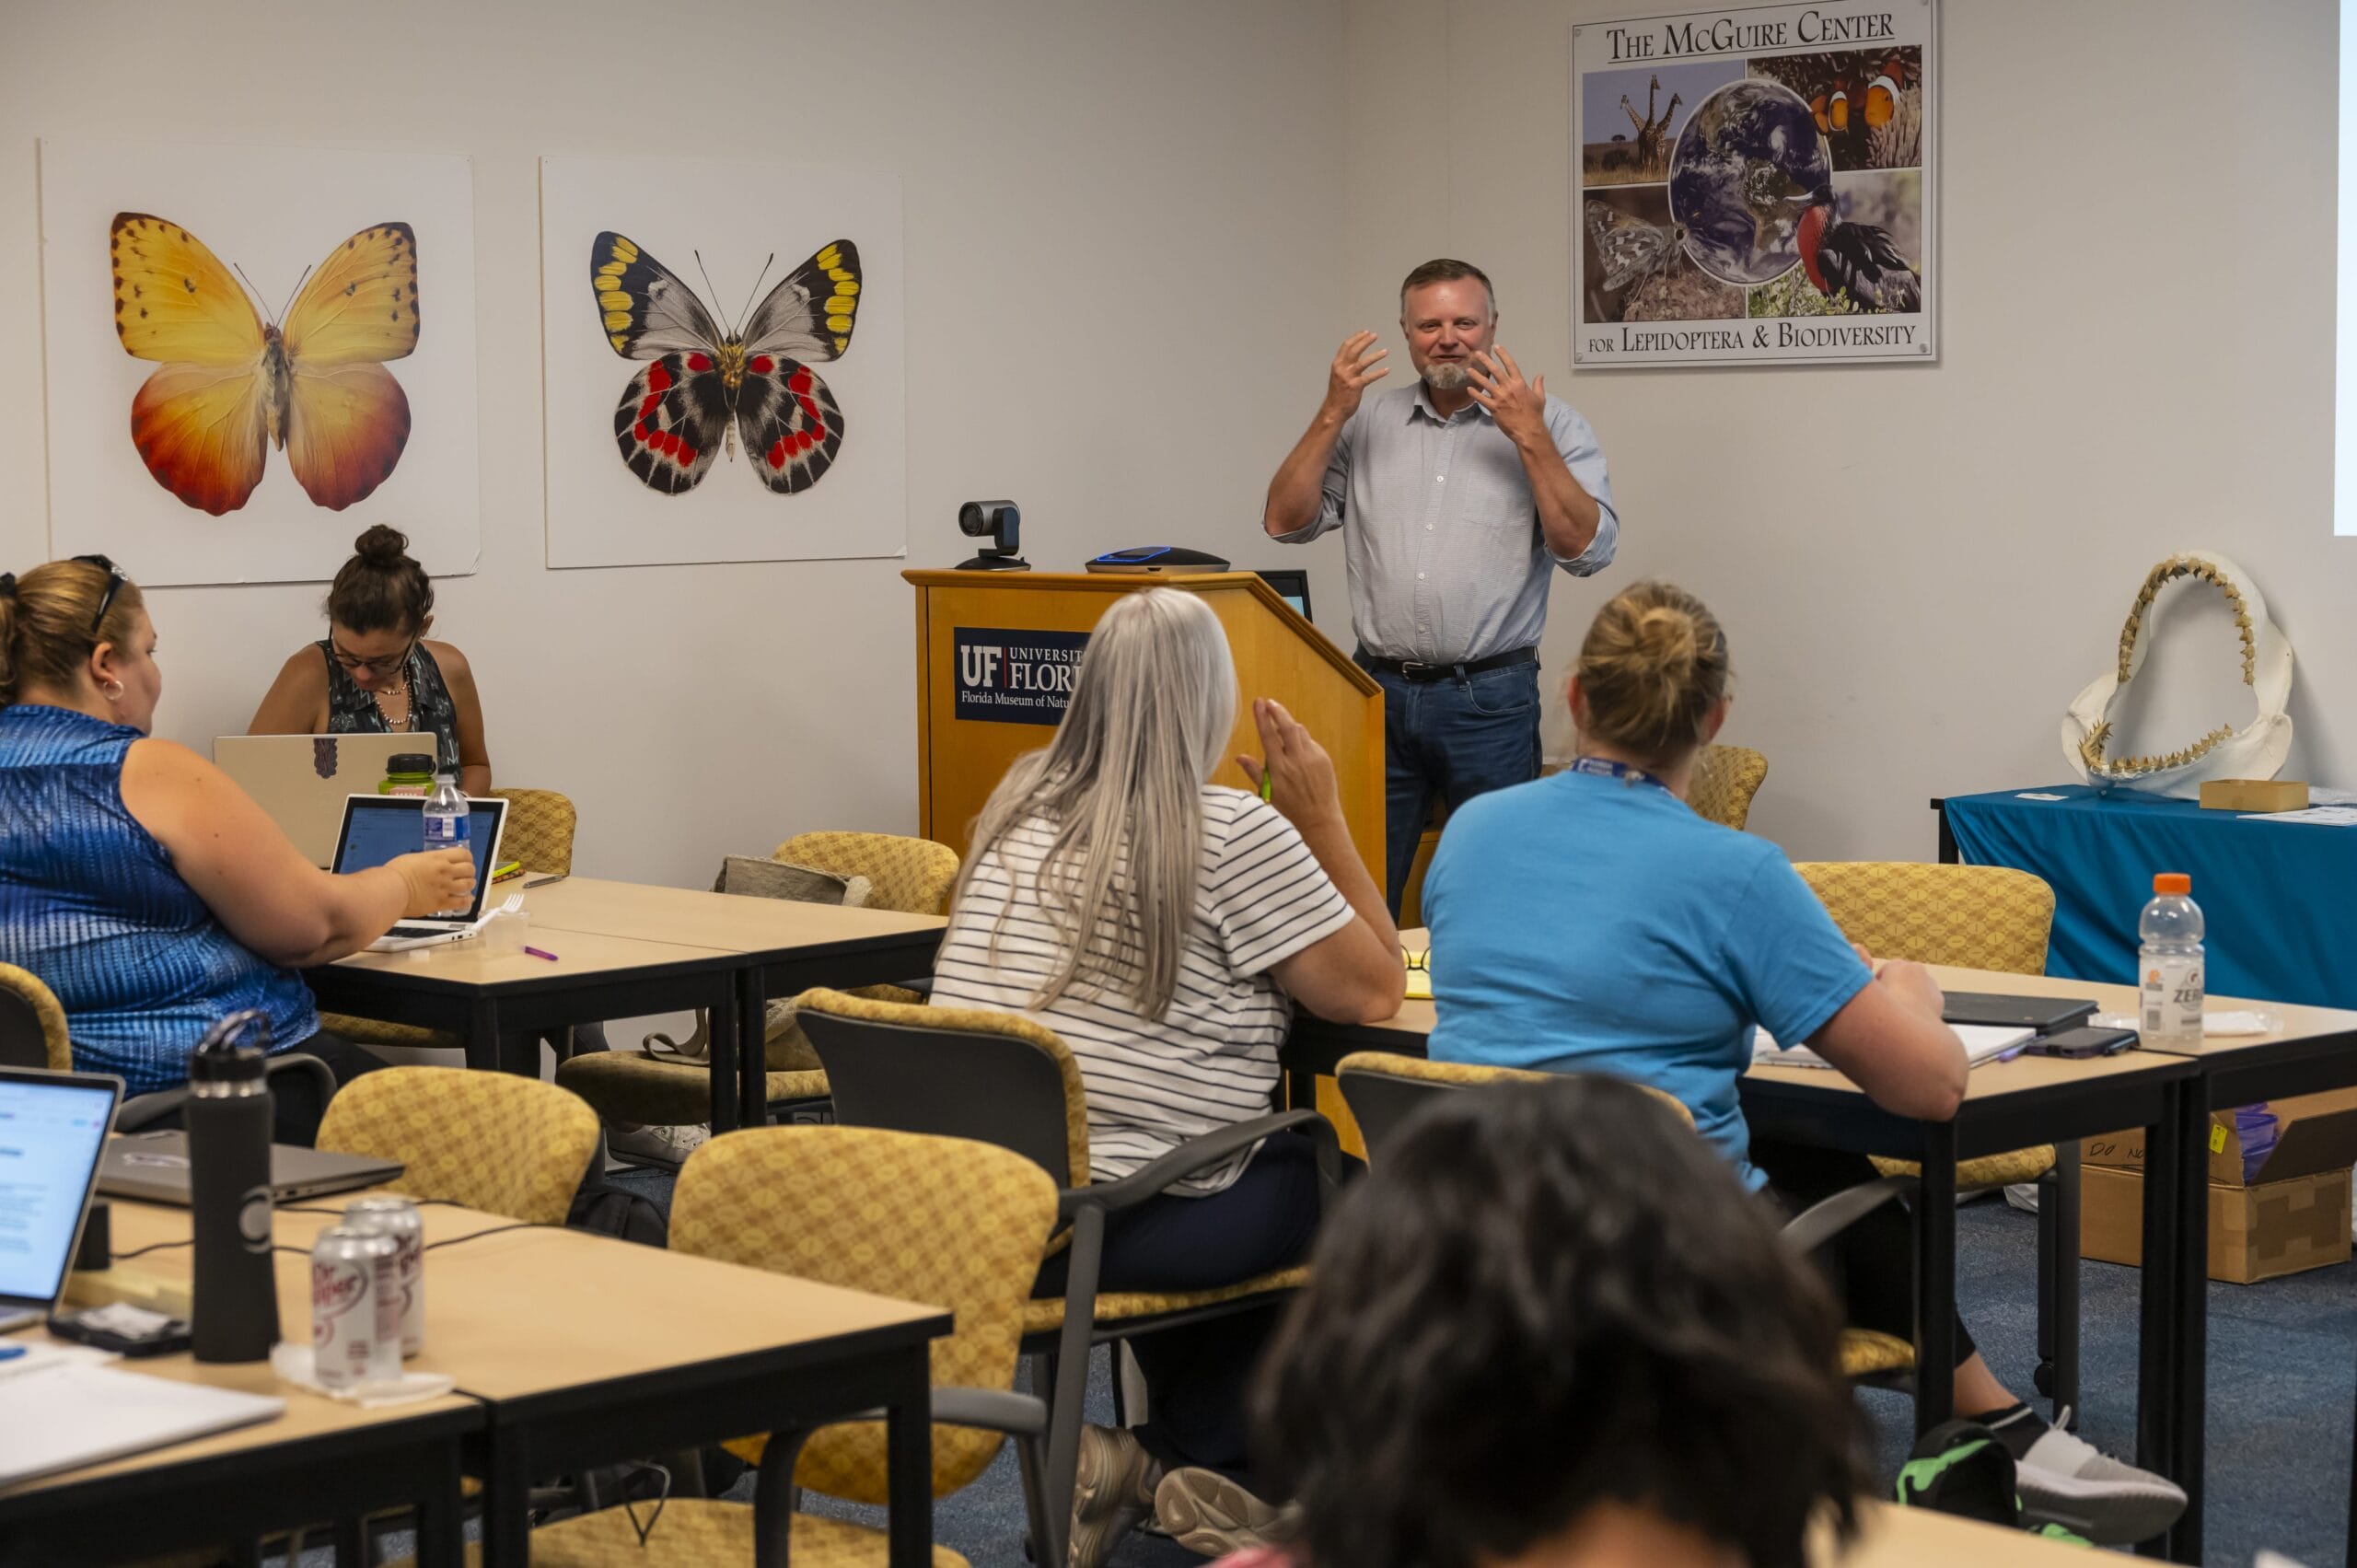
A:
x: 725, y: 1031
x: 507, y: 1500
x: 482, y: 1034
x: 1935, y: 1344
x: 2067, y: 1244
x: 440, y: 1529
x: 2191, y: 1353
x: 907, y: 1438
x: 2160, y: 1298
x: 752, y: 1024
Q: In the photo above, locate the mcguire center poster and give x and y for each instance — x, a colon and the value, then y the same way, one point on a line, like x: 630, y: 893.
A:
x: 1754, y: 186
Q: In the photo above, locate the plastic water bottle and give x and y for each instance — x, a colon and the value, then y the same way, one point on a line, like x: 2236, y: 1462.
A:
x: 2170, y: 962
x: 445, y: 813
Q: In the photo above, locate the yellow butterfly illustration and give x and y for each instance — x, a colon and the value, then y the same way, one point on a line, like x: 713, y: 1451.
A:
x: 233, y: 385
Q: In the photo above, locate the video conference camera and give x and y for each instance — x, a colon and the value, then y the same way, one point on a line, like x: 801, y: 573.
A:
x: 1000, y: 521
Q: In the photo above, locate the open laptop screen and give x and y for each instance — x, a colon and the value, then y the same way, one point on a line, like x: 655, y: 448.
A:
x: 377, y: 828
x: 52, y: 1126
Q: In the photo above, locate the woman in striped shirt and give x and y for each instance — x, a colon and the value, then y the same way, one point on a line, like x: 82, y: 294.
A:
x: 1159, y: 922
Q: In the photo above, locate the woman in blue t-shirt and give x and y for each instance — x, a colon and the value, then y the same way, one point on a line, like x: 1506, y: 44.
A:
x: 1592, y: 922
x: 136, y: 881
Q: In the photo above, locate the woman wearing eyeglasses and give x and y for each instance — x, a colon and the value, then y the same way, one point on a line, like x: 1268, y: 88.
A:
x: 136, y: 881
x: 375, y: 673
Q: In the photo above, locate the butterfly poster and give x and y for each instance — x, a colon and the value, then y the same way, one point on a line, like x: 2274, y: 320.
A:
x: 724, y: 363
x: 255, y: 352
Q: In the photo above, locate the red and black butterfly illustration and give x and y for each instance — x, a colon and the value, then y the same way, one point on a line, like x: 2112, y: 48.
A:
x: 677, y: 412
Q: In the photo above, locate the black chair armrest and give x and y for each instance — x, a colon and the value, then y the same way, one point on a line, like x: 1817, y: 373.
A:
x: 1828, y: 1218
x: 145, y: 1111
x: 994, y: 1410
x: 1201, y: 1154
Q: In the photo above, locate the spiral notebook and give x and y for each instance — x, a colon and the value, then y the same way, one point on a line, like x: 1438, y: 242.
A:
x: 1982, y: 1043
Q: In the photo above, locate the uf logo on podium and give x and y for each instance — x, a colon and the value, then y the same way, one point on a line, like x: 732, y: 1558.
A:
x: 1005, y: 676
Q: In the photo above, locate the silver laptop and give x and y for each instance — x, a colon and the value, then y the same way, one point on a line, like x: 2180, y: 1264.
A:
x: 52, y: 1126
x: 153, y: 1166
x: 302, y: 780
x: 377, y: 828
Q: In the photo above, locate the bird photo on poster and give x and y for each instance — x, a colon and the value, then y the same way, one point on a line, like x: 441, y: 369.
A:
x: 233, y: 381
x: 707, y: 386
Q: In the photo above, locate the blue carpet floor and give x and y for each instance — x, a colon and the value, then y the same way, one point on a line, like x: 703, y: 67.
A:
x: 2283, y: 1379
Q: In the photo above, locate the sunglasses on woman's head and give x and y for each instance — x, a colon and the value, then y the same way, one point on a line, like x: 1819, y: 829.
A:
x: 115, y: 579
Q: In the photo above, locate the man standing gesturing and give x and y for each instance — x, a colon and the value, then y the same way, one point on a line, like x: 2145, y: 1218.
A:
x: 1457, y: 495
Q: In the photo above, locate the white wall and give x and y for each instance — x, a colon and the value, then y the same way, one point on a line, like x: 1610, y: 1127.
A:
x: 1920, y: 566
x: 1121, y: 218
x: 1136, y: 231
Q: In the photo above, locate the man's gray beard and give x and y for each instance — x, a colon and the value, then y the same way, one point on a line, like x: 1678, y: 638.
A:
x: 1445, y: 375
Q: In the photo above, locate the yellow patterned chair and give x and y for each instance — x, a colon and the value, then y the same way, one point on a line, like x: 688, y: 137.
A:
x: 33, y: 1024
x: 913, y: 876
x: 490, y: 1141
x: 1979, y: 917
x: 910, y: 876
x: 949, y: 1222
x: 1725, y: 778
x: 1383, y: 1089
x: 538, y: 834
x: 1003, y: 1079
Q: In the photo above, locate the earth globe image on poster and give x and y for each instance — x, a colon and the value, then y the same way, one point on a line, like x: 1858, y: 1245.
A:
x: 1748, y: 164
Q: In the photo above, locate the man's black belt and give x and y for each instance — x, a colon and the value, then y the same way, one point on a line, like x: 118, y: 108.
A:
x: 1408, y: 670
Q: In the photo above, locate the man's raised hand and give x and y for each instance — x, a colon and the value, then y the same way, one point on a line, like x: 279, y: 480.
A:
x: 1355, y: 368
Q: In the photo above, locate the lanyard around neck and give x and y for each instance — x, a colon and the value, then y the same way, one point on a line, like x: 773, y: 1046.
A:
x: 1605, y: 767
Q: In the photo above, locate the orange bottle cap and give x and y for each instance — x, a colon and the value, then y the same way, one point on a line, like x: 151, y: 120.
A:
x: 2172, y: 882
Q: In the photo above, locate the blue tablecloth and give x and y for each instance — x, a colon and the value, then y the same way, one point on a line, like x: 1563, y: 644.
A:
x: 2274, y: 896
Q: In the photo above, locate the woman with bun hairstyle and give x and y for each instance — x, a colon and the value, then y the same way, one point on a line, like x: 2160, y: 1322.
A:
x: 136, y: 881
x: 375, y: 672
x: 1591, y: 922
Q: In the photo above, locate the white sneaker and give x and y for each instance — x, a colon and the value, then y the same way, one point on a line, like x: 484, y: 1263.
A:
x: 2023, y: 1195
x: 1112, y: 1489
x: 667, y: 1147
x: 2064, y: 1480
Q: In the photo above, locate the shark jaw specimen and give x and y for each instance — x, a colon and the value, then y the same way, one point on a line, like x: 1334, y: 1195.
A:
x: 2254, y: 751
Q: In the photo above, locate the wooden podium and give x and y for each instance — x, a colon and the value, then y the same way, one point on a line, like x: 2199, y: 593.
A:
x: 996, y: 651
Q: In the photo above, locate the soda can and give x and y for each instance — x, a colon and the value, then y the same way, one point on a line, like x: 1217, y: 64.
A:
x: 399, y: 1218
x: 355, y: 1307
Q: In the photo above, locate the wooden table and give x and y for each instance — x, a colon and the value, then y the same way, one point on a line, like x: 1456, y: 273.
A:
x: 320, y: 1460
x: 779, y: 946
x: 2007, y: 1105
x: 2312, y: 1050
x: 625, y: 949
x: 1892, y: 1537
x: 586, y: 1351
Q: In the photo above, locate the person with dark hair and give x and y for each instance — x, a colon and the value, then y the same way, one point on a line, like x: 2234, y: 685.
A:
x: 375, y: 672
x: 1548, y: 1330
x: 1458, y: 497
x: 136, y: 881
x: 1592, y: 922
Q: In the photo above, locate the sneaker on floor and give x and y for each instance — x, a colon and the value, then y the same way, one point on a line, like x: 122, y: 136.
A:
x: 666, y: 1148
x: 2067, y: 1480
x: 1113, y: 1490
x: 1210, y: 1515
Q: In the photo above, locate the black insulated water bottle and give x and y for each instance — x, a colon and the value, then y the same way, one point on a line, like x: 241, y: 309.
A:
x: 228, y: 1119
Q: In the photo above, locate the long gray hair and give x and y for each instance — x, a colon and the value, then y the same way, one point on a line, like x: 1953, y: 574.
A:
x: 1120, y: 790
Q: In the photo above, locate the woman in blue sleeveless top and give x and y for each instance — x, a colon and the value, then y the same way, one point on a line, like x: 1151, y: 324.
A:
x: 140, y: 884
x: 375, y: 672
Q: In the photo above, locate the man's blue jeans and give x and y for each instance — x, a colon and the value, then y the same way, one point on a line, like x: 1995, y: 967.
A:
x: 1450, y: 739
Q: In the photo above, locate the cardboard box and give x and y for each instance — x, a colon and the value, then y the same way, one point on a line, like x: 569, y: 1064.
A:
x: 2293, y: 1214
x: 2254, y: 794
